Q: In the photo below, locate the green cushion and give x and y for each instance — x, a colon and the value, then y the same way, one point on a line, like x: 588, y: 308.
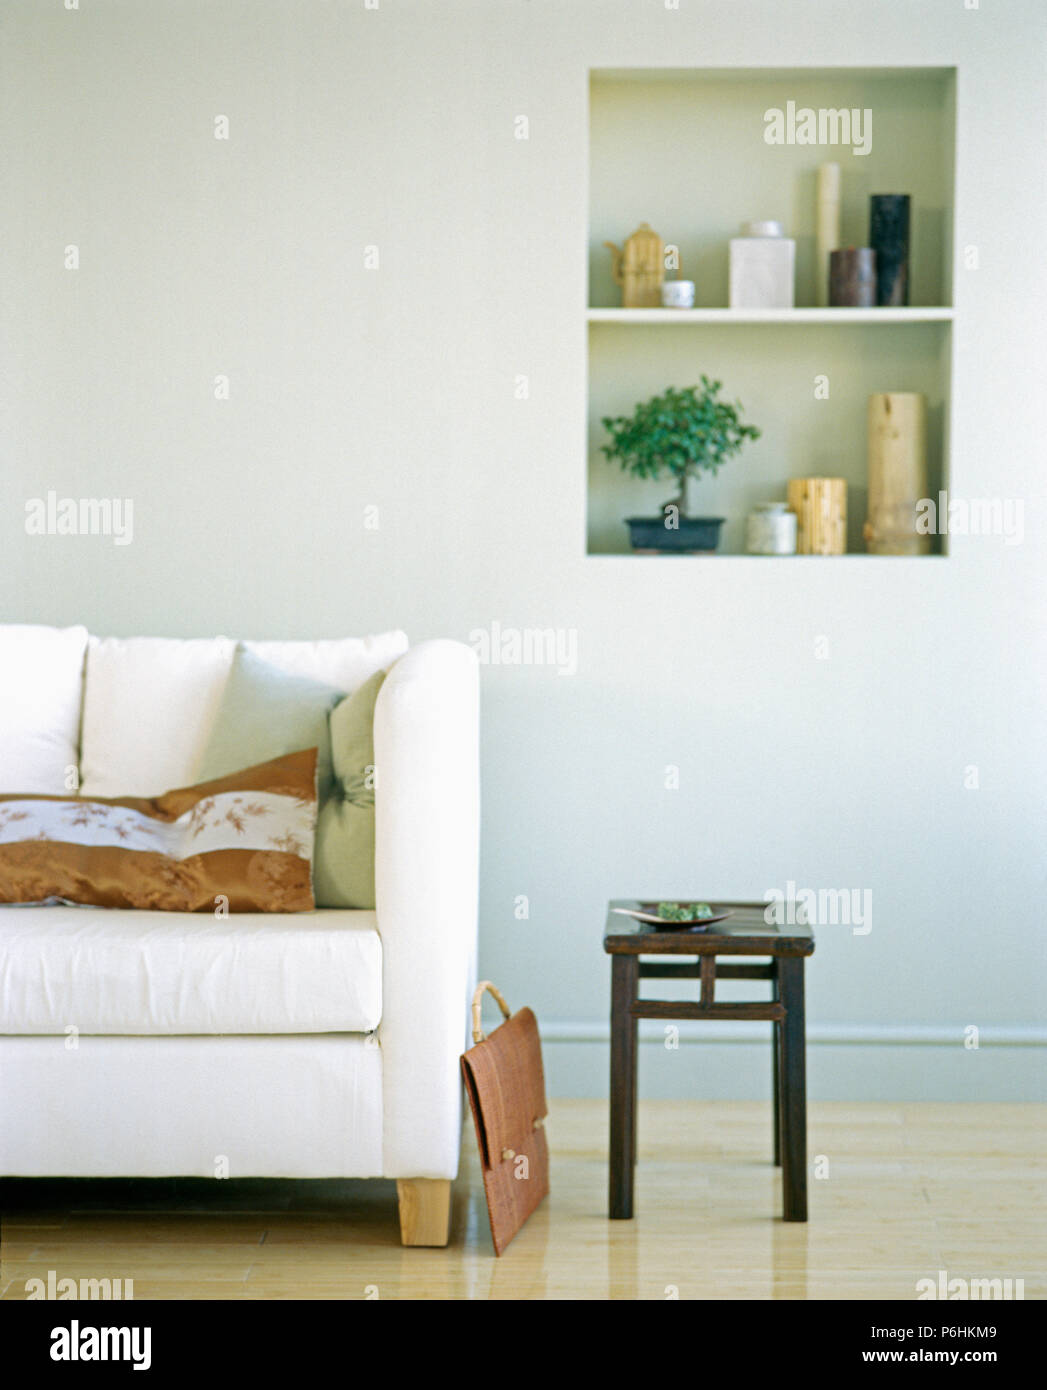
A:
x: 343, y: 868
x: 266, y: 713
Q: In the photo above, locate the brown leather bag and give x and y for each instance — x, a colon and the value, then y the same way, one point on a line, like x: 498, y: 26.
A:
x: 506, y: 1084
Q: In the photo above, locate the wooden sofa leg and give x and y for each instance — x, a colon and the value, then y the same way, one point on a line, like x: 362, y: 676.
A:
x: 425, y: 1210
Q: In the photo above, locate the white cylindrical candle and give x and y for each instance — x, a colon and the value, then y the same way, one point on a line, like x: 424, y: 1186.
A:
x: 828, y: 228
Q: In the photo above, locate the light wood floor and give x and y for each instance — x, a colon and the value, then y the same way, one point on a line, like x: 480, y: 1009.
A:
x: 911, y: 1190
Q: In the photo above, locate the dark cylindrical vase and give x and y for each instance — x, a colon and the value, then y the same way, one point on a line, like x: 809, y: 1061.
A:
x: 852, y: 278
x: 889, y: 238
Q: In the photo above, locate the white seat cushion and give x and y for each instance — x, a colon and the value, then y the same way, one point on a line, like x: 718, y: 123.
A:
x: 41, y: 679
x: 131, y: 972
x: 150, y: 702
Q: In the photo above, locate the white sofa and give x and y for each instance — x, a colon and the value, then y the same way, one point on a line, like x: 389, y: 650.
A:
x: 322, y: 1044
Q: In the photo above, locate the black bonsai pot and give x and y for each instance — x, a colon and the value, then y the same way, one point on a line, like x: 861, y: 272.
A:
x: 689, y: 533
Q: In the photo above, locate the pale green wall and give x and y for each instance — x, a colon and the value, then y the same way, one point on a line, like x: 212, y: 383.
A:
x: 395, y: 388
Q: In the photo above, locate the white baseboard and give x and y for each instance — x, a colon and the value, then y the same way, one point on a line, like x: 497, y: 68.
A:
x: 834, y: 1034
x: 845, y: 1061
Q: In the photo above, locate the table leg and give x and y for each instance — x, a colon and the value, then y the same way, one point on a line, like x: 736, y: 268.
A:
x: 625, y: 976
x: 776, y: 1081
x: 636, y: 1091
x: 793, y: 1091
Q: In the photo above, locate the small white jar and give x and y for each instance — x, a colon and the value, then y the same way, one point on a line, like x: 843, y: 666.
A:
x: 771, y: 530
x: 677, y: 294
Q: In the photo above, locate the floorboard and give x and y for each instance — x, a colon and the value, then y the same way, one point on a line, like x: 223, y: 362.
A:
x: 907, y: 1190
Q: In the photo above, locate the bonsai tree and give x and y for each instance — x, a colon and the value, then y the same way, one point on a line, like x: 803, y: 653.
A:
x: 684, y: 433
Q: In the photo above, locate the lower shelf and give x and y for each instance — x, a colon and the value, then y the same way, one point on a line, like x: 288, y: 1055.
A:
x: 635, y: 555
x: 807, y: 392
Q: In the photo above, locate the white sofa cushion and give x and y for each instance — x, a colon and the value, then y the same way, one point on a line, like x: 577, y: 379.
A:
x: 277, y: 1107
x: 345, y: 662
x: 150, y: 702
x: 41, y: 679
x: 140, y: 972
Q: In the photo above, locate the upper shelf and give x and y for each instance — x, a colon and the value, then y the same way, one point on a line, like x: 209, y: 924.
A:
x: 882, y: 315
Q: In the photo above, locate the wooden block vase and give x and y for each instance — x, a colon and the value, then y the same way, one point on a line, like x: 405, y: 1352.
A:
x: 897, y: 473
x: 820, y: 505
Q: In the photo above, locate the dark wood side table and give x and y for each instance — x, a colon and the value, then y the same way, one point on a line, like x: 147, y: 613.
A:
x: 744, y: 933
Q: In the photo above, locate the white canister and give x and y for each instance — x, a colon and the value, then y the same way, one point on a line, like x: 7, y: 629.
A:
x: 677, y: 294
x: 762, y: 268
x: 771, y: 530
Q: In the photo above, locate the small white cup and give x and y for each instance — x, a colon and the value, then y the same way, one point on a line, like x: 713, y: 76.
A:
x: 677, y: 294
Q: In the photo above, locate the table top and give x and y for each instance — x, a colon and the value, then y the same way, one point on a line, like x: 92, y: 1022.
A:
x: 743, y: 933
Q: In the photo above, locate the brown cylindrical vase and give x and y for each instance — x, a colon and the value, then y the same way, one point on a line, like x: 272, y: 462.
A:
x: 852, y: 278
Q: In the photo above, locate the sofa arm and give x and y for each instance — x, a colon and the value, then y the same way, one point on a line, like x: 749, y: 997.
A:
x: 427, y: 805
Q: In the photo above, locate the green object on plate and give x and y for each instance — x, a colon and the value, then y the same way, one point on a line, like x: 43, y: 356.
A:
x: 684, y: 912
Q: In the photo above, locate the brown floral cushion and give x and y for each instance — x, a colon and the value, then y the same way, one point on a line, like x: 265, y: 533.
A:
x: 242, y: 843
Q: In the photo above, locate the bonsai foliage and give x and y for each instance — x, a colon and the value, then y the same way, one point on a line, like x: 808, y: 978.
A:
x: 684, y: 433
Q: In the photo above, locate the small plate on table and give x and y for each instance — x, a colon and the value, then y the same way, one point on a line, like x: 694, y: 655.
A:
x: 648, y: 912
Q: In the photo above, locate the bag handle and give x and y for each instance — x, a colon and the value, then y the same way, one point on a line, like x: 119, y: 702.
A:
x: 478, y: 1033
